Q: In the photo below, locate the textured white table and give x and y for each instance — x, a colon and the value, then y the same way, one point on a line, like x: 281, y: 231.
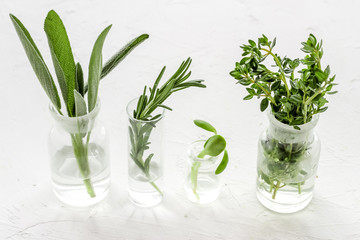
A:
x: 210, y: 32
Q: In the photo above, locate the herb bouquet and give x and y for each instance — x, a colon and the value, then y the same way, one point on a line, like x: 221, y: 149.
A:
x: 289, y: 149
x: 77, y: 144
x: 145, y: 135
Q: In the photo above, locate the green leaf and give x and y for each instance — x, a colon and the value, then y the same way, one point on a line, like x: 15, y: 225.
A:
x: 79, y: 79
x: 213, y: 147
x: 80, y: 104
x: 322, y: 109
x: 223, y: 163
x: 248, y: 97
x: 95, y: 67
x: 296, y: 98
x: 164, y: 106
x: 121, y: 54
x: 62, y: 57
x: 275, y: 86
x: 37, y: 62
x: 147, y: 163
x: 205, y: 125
x: 297, y: 127
x: 321, y: 75
x: 273, y: 43
x: 264, y: 104
x: 252, y: 43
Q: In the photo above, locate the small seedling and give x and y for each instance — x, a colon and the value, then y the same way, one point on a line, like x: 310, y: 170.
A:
x: 213, y: 147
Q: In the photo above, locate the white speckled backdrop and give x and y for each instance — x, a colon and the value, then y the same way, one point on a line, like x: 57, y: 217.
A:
x: 211, y: 33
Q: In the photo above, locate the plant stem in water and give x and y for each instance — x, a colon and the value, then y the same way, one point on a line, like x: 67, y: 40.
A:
x: 277, y: 186
x: 81, y: 155
x: 153, y: 183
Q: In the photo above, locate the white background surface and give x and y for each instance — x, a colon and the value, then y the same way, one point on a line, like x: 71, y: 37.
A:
x: 211, y: 33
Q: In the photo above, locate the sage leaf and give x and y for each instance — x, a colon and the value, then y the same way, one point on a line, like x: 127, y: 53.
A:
x: 205, y: 125
x: 95, y: 67
x: 80, y: 104
x: 79, y: 79
x: 223, y: 163
x: 121, y: 54
x: 62, y: 57
x: 37, y: 62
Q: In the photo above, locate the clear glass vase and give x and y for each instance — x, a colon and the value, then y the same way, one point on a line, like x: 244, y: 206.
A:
x: 287, y: 164
x: 202, y: 185
x: 145, y: 160
x: 79, y: 161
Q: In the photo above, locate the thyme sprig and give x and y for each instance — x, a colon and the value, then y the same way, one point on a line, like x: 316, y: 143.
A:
x: 293, y: 100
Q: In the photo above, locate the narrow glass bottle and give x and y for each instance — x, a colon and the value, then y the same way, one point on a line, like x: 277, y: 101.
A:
x: 145, y: 158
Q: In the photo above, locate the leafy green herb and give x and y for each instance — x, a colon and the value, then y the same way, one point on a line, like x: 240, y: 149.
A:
x: 294, y: 100
x: 213, y: 146
x: 140, y: 131
x: 70, y: 77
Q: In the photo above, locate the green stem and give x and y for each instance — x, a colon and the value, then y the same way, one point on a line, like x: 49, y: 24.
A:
x: 308, y: 101
x: 153, y: 183
x: 271, y: 187
x: 282, y: 70
x: 157, y: 188
x: 277, y: 186
x: 81, y: 155
x: 299, y: 188
x: 89, y: 187
x: 202, y: 154
x: 267, y: 94
x: 306, y: 111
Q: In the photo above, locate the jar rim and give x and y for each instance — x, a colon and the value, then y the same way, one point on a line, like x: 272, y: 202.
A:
x: 56, y: 115
x: 303, y: 127
x: 129, y: 110
x: 195, y: 158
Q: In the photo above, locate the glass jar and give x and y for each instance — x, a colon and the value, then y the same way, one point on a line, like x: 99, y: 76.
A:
x: 287, y: 164
x: 145, y: 158
x: 79, y: 161
x: 202, y: 185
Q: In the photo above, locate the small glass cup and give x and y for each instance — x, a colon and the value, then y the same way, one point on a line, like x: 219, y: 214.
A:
x: 145, y: 159
x: 202, y: 185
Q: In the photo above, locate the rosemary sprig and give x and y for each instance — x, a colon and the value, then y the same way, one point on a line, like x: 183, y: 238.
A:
x: 140, y: 131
